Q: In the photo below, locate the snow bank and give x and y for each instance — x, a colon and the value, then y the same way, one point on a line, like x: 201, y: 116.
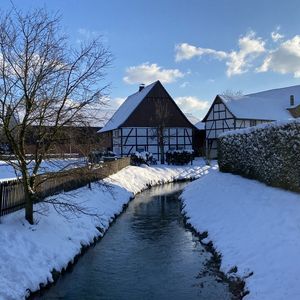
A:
x: 29, y: 253
x: 136, y: 179
x: 254, y: 227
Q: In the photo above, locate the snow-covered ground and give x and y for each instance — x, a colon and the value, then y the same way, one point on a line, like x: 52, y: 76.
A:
x: 254, y: 227
x: 29, y: 253
x: 7, y: 171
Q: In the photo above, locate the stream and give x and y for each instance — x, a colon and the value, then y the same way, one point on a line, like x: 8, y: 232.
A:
x: 148, y: 253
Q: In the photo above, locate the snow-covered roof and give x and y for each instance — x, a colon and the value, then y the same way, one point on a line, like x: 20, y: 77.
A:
x: 266, y: 105
x: 126, y: 109
x: 194, y: 120
x: 200, y: 125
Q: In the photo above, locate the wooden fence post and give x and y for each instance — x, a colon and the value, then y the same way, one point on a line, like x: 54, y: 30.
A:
x: 1, y: 193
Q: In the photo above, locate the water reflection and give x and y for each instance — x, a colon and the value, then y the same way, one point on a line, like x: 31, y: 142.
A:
x: 146, y: 254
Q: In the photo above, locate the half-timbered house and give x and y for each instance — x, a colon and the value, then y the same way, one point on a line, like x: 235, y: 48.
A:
x: 235, y: 112
x: 136, y: 124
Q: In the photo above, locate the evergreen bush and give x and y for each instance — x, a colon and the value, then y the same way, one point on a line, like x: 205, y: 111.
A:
x: 139, y: 158
x: 179, y: 157
x: 269, y: 153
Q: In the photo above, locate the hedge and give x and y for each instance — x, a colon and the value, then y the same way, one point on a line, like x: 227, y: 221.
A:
x: 179, y: 157
x: 139, y: 158
x: 269, y: 153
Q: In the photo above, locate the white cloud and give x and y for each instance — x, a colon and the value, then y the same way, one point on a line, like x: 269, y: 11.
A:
x: 276, y: 36
x: 285, y: 59
x: 116, y: 102
x: 250, y: 48
x: 192, y: 104
x: 185, y: 51
x: 147, y: 73
x: 184, y: 84
x: 238, y: 62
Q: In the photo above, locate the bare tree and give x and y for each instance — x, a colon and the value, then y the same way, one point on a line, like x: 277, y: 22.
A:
x: 47, y: 84
x: 232, y: 93
x: 161, y: 113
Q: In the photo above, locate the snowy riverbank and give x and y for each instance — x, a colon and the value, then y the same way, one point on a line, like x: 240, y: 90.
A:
x: 254, y: 227
x: 28, y: 253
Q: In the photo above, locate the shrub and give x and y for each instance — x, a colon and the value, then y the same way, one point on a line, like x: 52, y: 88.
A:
x: 179, y: 157
x: 95, y: 157
x: 269, y: 153
x: 139, y: 158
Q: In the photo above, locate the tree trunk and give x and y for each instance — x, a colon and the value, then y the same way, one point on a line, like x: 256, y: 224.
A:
x: 29, y: 199
x: 162, y: 154
x: 161, y: 143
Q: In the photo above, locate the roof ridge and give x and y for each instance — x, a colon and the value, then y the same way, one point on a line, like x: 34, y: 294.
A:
x: 274, y: 89
x: 126, y: 108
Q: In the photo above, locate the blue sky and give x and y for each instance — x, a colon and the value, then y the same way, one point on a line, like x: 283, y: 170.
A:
x: 196, y: 48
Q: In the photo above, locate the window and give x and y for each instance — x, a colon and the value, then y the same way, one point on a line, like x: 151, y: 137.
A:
x: 141, y: 131
x: 141, y: 140
x: 180, y: 131
x: 172, y: 131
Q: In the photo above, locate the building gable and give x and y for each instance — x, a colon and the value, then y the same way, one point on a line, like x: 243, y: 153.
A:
x: 157, y: 104
x: 127, y: 107
x: 210, y: 114
x: 270, y: 105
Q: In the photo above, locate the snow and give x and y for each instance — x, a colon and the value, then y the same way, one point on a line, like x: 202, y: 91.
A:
x: 259, y: 127
x: 254, y: 227
x: 7, y: 172
x: 200, y: 125
x: 127, y: 107
x: 130, y: 104
x: 190, y: 151
x: 192, y: 119
x: 266, y: 105
x: 28, y: 253
x: 136, y: 179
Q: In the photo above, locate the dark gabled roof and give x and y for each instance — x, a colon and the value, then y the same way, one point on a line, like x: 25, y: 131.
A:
x: 127, y: 108
x: 130, y: 105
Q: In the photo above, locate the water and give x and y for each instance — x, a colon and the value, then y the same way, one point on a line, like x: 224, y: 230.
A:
x: 146, y: 254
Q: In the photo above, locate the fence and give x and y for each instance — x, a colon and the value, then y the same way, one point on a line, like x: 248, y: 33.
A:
x: 12, y: 195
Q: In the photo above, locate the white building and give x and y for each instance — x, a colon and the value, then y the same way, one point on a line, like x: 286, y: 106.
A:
x: 135, y: 125
x: 235, y: 112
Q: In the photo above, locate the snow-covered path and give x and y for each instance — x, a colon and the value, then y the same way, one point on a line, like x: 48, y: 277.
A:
x: 28, y: 253
x: 254, y: 227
